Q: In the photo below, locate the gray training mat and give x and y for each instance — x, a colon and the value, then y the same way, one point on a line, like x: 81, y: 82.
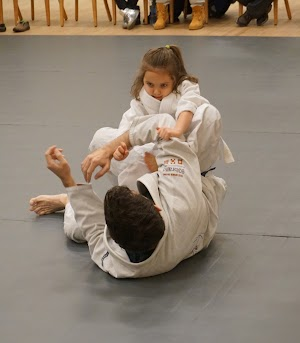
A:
x: 244, y: 288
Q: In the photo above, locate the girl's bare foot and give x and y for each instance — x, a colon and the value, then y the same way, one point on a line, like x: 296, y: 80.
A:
x: 45, y: 204
x: 150, y: 161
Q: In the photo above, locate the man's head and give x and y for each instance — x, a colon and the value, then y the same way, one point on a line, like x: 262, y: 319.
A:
x: 133, y: 221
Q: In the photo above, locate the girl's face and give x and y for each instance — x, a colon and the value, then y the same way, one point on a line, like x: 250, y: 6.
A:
x: 158, y: 84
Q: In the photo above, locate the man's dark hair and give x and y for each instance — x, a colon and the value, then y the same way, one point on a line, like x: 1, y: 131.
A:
x: 132, y: 220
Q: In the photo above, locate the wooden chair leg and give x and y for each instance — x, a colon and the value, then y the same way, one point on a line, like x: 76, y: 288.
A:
x: 275, y: 3
x: 114, y: 11
x: 65, y: 14
x: 1, y: 13
x: 185, y: 8
x: 94, y: 3
x: 206, y: 11
x: 16, y: 11
x: 241, y: 9
x: 20, y: 14
x: 146, y: 13
x: 32, y: 9
x: 76, y: 10
x: 107, y: 10
x: 171, y: 19
x: 288, y: 10
x: 61, y: 12
x: 47, y: 9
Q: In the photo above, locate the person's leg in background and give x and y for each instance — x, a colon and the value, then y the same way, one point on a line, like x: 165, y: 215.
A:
x: 179, y: 8
x: 198, y: 14
x: 130, y: 12
x: 161, y: 14
x: 256, y: 9
x: 217, y: 8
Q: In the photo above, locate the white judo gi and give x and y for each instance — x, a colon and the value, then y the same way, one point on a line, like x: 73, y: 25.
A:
x: 189, y: 202
x: 126, y: 172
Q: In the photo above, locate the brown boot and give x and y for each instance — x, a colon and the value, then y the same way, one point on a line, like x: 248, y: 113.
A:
x: 161, y: 17
x: 198, y: 18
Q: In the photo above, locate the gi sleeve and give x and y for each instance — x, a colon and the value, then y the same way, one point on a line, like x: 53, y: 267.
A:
x: 190, y: 98
x: 89, y: 215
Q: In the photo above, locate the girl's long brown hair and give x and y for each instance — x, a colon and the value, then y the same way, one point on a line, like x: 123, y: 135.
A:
x: 168, y: 58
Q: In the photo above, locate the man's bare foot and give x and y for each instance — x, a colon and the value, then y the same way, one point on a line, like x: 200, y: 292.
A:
x: 150, y: 161
x: 46, y: 204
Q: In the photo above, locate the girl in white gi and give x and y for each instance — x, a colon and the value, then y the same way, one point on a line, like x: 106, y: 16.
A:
x: 198, y: 14
x: 162, y: 85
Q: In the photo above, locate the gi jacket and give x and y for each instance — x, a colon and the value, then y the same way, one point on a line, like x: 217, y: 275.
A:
x: 189, y: 203
x: 187, y: 98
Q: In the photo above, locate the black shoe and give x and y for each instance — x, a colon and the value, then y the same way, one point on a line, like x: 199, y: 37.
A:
x: 264, y: 18
x: 2, y: 28
x: 244, y: 19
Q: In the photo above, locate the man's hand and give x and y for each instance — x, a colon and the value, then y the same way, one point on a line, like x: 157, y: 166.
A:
x: 98, y: 158
x: 166, y: 133
x: 121, y: 152
x: 59, y: 166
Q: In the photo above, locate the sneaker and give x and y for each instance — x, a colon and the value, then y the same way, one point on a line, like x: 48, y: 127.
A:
x: 264, y: 18
x: 244, y: 19
x: 125, y: 22
x: 125, y: 18
x: 131, y: 18
x: 2, y: 28
x: 21, y: 26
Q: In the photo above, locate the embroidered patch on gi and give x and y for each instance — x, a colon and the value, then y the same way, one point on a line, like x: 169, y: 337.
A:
x: 104, y: 257
x: 173, y: 167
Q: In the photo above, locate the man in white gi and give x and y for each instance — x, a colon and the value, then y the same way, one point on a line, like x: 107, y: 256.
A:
x: 175, y: 213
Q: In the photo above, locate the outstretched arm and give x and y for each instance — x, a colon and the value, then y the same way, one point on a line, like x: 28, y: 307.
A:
x: 57, y: 163
x: 102, y: 157
x: 182, y: 124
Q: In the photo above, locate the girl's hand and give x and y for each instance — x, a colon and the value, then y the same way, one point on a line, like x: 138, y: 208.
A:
x: 166, y: 133
x: 121, y: 152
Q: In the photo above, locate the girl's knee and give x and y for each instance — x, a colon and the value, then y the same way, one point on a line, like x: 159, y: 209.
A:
x: 207, y: 112
x: 102, y: 137
x: 166, y: 119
